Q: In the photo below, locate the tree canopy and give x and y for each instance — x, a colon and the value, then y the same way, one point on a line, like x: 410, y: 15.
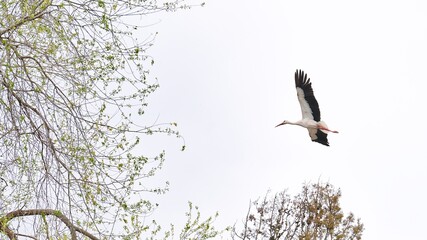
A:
x: 74, y: 82
x: 315, y: 213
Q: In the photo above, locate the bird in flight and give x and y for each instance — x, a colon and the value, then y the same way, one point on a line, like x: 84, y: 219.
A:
x: 317, y: 129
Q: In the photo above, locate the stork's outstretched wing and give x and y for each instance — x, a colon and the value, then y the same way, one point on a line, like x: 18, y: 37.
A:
x: 307, y: 101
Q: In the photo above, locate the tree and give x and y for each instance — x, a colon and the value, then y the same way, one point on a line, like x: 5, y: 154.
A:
x: 315, y: 213
x: 74, y: 83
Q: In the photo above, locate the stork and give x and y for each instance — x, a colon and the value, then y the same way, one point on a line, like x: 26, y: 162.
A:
x: 317, y: 129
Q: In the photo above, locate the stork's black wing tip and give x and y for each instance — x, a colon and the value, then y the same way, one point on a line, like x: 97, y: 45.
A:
x: 301, y: 78
x: 299, y: 73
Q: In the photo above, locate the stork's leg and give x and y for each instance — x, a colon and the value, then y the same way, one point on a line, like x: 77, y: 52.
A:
x: 328, y: 130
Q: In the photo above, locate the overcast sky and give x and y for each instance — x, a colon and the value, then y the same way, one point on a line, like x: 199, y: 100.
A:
x: 226, y: 74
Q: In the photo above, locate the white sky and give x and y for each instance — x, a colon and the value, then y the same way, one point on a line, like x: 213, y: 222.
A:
x: 226, y: 74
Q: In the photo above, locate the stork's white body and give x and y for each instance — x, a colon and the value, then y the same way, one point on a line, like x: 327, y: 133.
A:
x: 307, y: 123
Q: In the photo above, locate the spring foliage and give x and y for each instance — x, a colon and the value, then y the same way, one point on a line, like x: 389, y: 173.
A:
x: 74, y: 83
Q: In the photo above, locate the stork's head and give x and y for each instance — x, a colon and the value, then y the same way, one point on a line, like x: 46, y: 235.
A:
x: 282, y: 123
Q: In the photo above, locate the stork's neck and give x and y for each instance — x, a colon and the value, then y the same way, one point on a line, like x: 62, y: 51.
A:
x: 299, y: 123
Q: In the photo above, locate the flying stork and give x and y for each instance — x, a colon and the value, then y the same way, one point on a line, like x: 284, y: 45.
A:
x: 318, y: 130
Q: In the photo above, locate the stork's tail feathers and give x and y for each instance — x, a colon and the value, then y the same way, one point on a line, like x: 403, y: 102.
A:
x: 322, y: 126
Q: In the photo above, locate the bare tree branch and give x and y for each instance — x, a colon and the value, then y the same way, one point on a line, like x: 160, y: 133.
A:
x: 44, y: 212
